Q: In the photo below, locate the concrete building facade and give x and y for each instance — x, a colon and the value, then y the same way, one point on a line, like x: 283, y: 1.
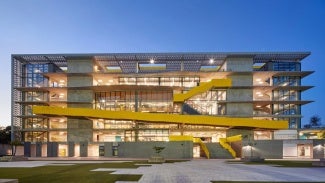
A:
x: 192, y: 104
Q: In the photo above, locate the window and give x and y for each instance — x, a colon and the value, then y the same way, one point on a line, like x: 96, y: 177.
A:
x: 34, y: 77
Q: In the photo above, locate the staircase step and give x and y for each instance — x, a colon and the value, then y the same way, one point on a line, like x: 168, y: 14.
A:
x: 218, y: 152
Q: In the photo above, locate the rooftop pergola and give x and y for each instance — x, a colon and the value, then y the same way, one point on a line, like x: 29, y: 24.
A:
x: 128, y: 62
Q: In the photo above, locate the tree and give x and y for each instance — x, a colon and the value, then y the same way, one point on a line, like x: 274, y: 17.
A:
x: 315, y: 121
x: 5, y: 138
x: 5, y: 135
x: 14, y: 145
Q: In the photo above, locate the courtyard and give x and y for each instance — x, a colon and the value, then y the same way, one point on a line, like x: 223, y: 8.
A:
x: 196, y: 171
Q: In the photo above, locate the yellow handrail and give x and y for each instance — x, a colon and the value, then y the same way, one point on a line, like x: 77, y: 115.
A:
x: 224, y: 143
x: 221, y: 83
x: 203, y: 146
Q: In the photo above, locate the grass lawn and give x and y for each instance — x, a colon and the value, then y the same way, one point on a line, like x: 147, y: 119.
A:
x: 69, y: 173
x: 282, y: 163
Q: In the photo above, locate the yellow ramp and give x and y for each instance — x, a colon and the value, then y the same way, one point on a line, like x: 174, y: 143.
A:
x: 220, y: 83
x: 224, y: 142
x: 203, y: 146
x: 160, y: 117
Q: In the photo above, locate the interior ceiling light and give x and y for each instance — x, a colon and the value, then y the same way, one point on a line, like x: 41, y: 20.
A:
x: 258, y: 79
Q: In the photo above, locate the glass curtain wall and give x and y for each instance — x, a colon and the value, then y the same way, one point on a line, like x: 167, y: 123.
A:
x: 141, y: 101
x: 208, y: 103
x: 190, y: 81
x: 34, y: 129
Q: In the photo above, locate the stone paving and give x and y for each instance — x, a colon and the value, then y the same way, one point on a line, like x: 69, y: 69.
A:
x: 204, y: 171
x: 200, y: 171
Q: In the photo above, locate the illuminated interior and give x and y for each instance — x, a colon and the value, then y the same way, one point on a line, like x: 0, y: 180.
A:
x: 148, y: 83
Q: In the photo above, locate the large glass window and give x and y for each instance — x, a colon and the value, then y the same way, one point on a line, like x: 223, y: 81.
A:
x: 286, y: 66
x: 286, y: 109
x: 58, y: 136
x: 286, y: 95
x: 141, y: 101
x: 36, y: 96
x: 113, y: 124
x: 35, y: 136
x: 34, y: 76
x: 286, y: 81
x: 35, y: 123
x: 155, y: 101
x: 190, y: 81
x: 58, y: 123
x: 115, y: 100
x: 207, y: 103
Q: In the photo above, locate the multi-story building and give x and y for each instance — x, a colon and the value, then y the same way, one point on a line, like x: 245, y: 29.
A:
x: 116, y: 103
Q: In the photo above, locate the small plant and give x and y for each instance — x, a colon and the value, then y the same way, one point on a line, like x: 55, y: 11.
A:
x: 158, y: 149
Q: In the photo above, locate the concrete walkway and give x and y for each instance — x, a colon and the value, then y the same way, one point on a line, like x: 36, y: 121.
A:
x: 204, y: 171
x: 199, y: 171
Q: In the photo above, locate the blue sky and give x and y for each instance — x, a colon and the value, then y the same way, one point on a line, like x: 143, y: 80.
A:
x: 95, y: 26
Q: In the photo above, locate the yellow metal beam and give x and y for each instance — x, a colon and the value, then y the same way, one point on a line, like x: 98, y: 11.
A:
x: 180, y: 138
x: 161, y: 118
x: 203, y: 146
x: 234, y: 138
x: 219, y: 83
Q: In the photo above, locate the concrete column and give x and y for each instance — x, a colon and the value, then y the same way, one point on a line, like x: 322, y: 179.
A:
x: 71, y: 149
x: 52, y: 149
x: 84, y: 149
x: 108, y: 148
x: 38, y: 149
x: 243, y: 79
x: 27, y: 149
x: 81, y: 129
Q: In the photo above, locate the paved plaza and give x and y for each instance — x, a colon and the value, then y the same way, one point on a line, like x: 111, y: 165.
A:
x: 199, y: 171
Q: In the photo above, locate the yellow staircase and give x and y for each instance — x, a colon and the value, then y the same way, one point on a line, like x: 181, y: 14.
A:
x: 224, y: 142
x: 204, y: 86
x: 203, y: 146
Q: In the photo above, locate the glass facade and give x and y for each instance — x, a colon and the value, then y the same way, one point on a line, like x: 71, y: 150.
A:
x: 34, y: 77
x: 161, y: 81
x: 270, y: 92
x: 139, y: 101
x: 286, y: 66
x: 209, y: 103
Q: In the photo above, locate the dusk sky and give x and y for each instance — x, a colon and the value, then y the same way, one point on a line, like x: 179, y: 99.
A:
x: 103, y: 26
